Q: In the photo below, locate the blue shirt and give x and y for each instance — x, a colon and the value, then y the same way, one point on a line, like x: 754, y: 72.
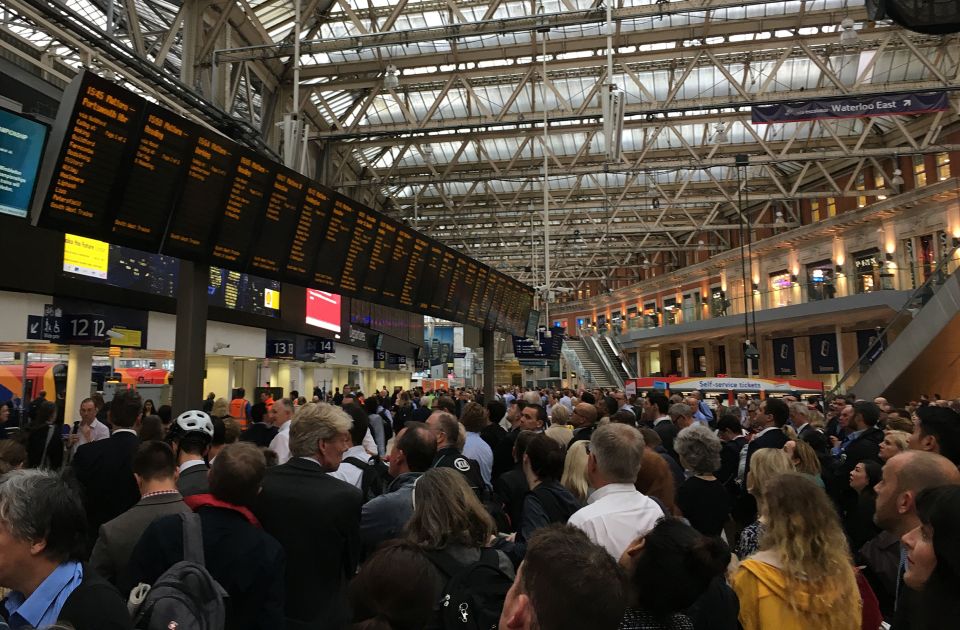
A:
x: 43, y: 607
x: 837, y: 450
x: 475, y: 447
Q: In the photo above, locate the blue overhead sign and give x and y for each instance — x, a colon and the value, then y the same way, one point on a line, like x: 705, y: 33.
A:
x: 852, y: 107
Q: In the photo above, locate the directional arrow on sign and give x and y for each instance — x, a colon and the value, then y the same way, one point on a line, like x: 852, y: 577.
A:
x: 34, y: 324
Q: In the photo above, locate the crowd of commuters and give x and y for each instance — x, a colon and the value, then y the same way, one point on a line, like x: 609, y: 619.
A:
x: 548, y: 509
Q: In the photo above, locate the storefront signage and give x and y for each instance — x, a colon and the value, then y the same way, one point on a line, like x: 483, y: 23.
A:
x: 852, y: 107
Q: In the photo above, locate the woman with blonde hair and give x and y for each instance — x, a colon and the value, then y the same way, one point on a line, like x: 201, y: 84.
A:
x: 575, y: 470
x: 894, y: 443
x: 803, y: 576
x: 220, y: 409
x: 559, y: 415
x: 804, y: 460
x: 765, y: 465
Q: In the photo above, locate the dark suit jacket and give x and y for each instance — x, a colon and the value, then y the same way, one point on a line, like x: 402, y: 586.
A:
x: 770, y: 439
x: 511, y: 487
x: 118, y: 537
x: 246, y: 561
x: 105, y: 471
x: 37, y: 442
x: 260, y: 434
x: 864, y: 448
x: 667, y: 432
x: 503, y: 453
x: 194, y: 480
x: 316, y: 518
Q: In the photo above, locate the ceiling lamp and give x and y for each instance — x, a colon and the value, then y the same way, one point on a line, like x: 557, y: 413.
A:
x: 848, y: 36
x: 778, y: 217
x: 897, y: 177
x: 427, y: 149
x: 391, y: 80
x: 700, y: 245
x: 721, y: 136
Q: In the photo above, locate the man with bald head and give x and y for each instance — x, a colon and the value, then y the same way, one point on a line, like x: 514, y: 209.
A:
x: 904, y: 477
x: 584, y: 421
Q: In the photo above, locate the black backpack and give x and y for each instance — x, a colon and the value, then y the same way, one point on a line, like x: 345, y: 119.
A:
x: 185, y: 596
x: 376, y: 476
x: 472, y: 597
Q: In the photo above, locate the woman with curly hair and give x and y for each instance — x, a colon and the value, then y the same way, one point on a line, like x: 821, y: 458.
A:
x: 803, y: 576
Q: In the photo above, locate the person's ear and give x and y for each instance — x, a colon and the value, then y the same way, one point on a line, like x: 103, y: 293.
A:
x: 906, y: 502
x: 38, y: 546
x: 521, y: 613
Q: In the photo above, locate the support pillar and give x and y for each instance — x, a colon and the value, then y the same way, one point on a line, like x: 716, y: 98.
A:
x: 841, y: 363
x: 79, y: 369
x: 685, y: 361
x: 709, y: 353
x: 191, y: 338
x: 489, y: 364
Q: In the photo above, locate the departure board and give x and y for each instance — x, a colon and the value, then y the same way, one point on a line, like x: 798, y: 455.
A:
x: 429, y: 277
x: 379, y: 262
x: 394, y: 282
x: 200, y: 206
x: 125, y: 170
x: 250, y: 185
x: 309, y: 233
x: 271, y: 247
x: 413, y: 278
x: 336, y: 243
x: 358, y: 252
x: 90, y: 142
x: 441, y: 294
x: 457, y: 293
x: 156, y: 172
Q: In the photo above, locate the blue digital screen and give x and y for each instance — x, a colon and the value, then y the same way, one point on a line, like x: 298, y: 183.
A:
x: 21, y: 147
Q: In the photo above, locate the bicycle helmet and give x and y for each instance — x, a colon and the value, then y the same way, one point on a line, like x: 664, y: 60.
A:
x: 194, y: 421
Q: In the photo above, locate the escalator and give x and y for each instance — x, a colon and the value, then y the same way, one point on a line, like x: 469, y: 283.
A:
x: 589, y: 371
x: 616, y: 357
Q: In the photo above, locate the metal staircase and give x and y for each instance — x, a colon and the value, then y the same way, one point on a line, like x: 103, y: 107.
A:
x: 588, y: 370
x: 612, y: 350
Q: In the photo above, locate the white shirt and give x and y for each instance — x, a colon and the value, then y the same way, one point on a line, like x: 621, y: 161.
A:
x: 349, y: 472
x: 369, y: 444
x: 476, y: 448
x: 190, y: 464
x: 280, y: 444
x: 566, y: 402
x: 99, y: 431
x: 616, y: 515
x: 661, y: 419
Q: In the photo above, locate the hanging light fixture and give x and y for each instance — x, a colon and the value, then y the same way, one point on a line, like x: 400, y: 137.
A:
x: 721, y: 136
x: 778, y: 217
x: 848, y: 35
x: 427, y: 152
x: 391, y: 80
x: 897, y: 178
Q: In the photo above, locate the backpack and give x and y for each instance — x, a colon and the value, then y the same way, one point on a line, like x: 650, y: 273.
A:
x: 472, y: 597
x: 387, y: 428
x: 375, y: 479
x: 185, y: 596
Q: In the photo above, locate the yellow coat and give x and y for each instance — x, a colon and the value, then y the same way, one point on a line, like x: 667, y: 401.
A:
x: 765, y: 602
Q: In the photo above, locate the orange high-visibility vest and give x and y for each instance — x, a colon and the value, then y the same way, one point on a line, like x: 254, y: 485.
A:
x: 238, y: 411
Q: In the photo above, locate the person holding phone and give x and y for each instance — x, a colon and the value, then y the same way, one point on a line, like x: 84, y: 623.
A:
x: 88, y: 429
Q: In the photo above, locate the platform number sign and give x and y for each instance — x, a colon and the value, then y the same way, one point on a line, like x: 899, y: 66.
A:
x: 84, y: 329
x: 281, y: 348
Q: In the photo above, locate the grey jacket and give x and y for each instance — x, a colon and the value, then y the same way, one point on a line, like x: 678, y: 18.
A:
x: 383, y: 518
x: 118, y: 537
x: 194, y: 480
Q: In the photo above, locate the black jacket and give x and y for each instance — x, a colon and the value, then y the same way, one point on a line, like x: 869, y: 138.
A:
x: 511, y: 488
x: 316, y: 518
x: 493, y: 434
x: 260, y: 434
x: 771, y: 439
x: 503, y: 453
x: 451, y: 457
x: 548, y: 503
x: 37, y: 443
x: 866, y: 447
x: 246, y: 561
x: 94, y: 605
x: 104, y: 470
x: 667, y: 430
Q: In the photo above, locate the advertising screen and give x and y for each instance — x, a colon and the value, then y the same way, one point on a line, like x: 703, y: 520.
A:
x: 21, y: 147
x: 323, y: 310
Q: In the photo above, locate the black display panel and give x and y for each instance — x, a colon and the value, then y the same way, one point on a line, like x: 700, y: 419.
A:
x: 336, y: 242
x: 471, y: 311
x: 486, y: 283
x: 156, y: 172
x: 430, y: 277
x: 379, y: 263
x: 308, y: 235
x: 250, y: 185
x: 200, y: 206
x: 442, y: 300
x: 271, y: 247
x: 415, y: 263
x: 87, y: 157
x: 358, y: 252
x: 458, y: 294
x: 394, y: 284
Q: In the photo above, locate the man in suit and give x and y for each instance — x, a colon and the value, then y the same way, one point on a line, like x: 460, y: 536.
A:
x: 191, y: 436
x: 155, y: 470
x: 259, y: 432
x: 769, y: 422
x: 800, y: 418
x: 663, y: 423
x: 316, y: 518
x: 246, y: 561
x: 104, y: 468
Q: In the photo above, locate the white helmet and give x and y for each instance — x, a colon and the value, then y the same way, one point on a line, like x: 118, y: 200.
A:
x: 194, y: 420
